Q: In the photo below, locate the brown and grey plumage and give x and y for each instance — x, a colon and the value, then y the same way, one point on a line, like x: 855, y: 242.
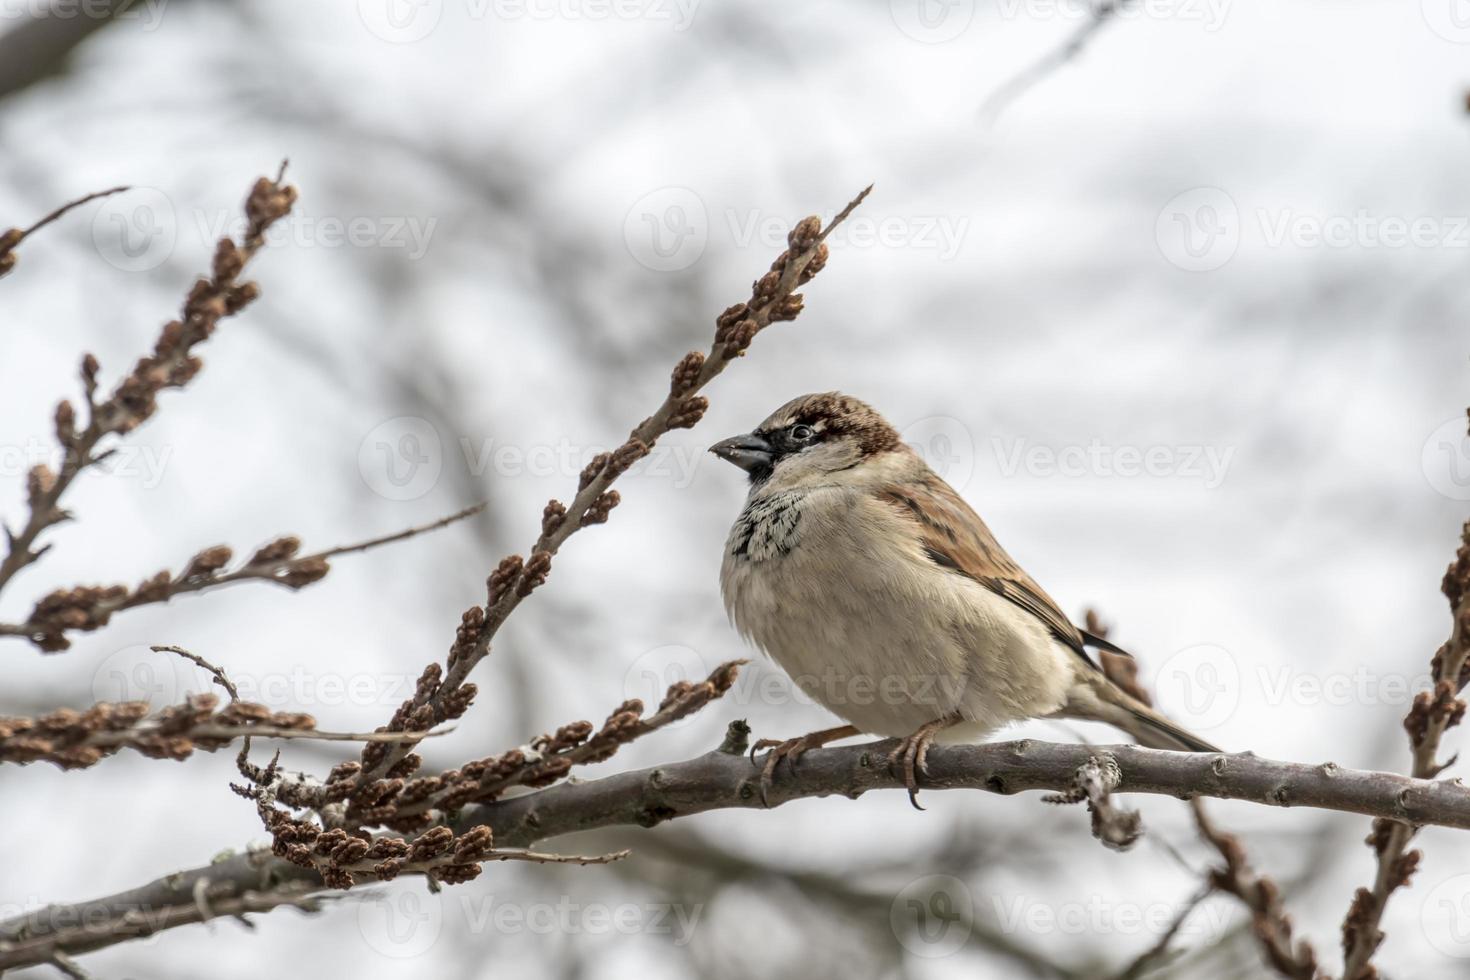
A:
x: 886, y: 597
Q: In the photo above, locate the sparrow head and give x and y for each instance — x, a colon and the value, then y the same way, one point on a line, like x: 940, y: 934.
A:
x: 808, y: 438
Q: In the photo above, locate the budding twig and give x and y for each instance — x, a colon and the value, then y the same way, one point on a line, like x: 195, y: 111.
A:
x: 172, y: 364
x: 1431, y: 715
x: 88, y: 608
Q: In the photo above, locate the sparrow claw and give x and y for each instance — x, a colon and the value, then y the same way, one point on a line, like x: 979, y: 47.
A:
x: 913, y: 752
x: 791, y: 750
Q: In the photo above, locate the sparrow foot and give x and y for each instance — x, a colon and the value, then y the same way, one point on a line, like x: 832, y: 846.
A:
x: 791, y: 750
x: 913, y: 753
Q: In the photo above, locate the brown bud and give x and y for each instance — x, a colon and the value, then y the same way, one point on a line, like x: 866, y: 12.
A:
x: 817, y: 264
x: 66, y: 423
x: 241, y: 296
x: 726, y: 321
x: 552, y: 517
x: 625, y: 456
x: 90, y: 367
x: 740, y: 338
x: 601, y: 507
x: 304, y: 572
x: 504, y: 576
x: 592, y: 470
x: 278, y: 550
x: 39, y: 482
x: 804, y: 235
x: 227, y: 261
x: 689, y: 412
x: 534, y: 574
x: 208, y: 561
x: 788, y: 308
x: 686, y: 374
x: 764, y: 288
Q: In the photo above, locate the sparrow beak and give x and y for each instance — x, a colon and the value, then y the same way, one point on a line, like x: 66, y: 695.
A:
x: 751, y: 452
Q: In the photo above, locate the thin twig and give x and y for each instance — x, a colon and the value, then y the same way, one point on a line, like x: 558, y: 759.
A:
x: 11, y: 238
x: 1018, y: 85
x: 1159, y: 954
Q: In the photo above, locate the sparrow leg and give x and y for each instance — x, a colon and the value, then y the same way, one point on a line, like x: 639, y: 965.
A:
x: 791, y: 750
x: 914, y: 753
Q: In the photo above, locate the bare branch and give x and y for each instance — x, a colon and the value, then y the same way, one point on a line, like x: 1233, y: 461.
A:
x: 720, y: 780
x: 1018, y: 85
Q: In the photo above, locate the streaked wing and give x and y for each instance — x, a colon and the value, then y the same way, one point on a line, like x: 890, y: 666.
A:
x: 956, y: 538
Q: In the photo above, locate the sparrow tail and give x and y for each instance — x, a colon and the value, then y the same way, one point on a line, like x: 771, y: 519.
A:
x: 1095, y: 698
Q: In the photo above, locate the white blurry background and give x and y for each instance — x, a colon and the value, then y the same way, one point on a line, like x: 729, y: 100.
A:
x: 1184, y: 319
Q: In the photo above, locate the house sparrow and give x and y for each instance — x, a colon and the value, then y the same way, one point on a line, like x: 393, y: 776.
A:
x: 886, y: 598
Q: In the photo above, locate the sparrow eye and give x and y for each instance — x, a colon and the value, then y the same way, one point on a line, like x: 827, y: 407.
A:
x: 802, y: 433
